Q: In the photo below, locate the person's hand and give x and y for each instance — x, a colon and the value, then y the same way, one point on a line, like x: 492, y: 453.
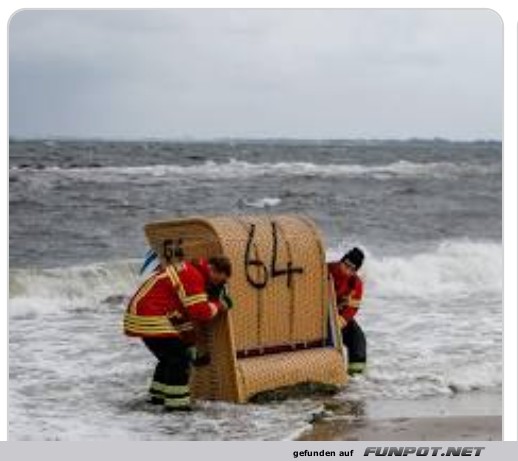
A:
x: 341, y: 303
x: 226, y: 300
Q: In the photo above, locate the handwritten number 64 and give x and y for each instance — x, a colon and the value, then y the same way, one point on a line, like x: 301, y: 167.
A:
x: 275, y: 271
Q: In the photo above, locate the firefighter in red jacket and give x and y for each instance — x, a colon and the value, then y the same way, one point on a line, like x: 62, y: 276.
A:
x: 163, y: 312
x: 349, y: 292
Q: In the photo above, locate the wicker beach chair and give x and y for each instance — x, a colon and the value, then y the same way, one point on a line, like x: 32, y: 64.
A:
x: 278, y: 333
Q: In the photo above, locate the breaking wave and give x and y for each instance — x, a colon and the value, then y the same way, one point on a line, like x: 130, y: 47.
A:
x: 451, y: 268
x: 41, y: 291
x: 433, y: 321
x: 425, y: 340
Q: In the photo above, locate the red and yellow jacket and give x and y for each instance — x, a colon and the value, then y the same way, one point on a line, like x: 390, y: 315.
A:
x: 348, y: 291
x: 168, y: 302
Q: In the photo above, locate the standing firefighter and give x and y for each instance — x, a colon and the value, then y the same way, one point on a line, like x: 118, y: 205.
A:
x: 163, y: 312
x: 349, y: 292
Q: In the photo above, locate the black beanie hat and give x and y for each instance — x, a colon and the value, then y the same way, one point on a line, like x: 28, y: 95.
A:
x: 353, y: 257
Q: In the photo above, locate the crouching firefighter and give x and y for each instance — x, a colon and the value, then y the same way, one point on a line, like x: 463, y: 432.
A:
x: 164, y: 311
x: 349, y: 292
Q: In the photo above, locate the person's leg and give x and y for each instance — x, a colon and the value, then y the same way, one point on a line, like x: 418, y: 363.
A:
x: 170, y: 384
x: 176, y: 376
x: 157, y: 348
x: 356, y: 343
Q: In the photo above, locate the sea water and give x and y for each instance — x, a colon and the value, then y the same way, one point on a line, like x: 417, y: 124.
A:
x: 427, y: 214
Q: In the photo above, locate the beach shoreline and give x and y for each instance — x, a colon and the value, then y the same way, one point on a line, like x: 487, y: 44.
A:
x: 482, y: 428
x: 462, y: 416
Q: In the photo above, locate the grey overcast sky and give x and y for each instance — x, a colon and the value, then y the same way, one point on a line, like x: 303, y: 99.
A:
x: 256, y: 73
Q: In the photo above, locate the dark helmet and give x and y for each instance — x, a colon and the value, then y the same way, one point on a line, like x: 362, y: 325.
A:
x: 353, y: 258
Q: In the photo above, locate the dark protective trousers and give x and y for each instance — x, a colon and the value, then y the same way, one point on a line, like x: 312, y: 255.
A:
x: 356, y: 344
x: 170, y: 384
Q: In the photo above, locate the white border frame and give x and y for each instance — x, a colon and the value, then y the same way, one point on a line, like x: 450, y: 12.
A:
x: 509, y: 14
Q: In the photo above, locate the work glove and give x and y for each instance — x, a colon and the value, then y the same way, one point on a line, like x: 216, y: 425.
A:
x: 226, y: 300
x: 214, y: 291
x: 342, y: 302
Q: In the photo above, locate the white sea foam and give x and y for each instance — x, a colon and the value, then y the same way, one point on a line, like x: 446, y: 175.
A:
x: 452, y: 267
x: 265, y: 202
x: 241, y: 169
x: 41, y: 291
x: 432, y: 319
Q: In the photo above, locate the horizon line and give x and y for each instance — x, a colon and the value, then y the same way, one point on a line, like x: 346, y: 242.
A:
x: 192, y: 139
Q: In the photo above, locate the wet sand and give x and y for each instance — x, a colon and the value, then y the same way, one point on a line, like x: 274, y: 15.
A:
x: 409, y: 429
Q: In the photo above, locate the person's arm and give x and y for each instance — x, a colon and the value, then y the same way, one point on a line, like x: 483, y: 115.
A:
x: 348, y: 305
x: 225, y: 299
x: 191, y: 290
x: 350, y: 311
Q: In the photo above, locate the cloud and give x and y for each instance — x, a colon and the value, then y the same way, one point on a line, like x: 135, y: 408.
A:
x: 249, y: 73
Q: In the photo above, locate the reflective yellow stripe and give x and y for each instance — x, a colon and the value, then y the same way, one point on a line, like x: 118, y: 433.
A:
x: 186, y: 300
x: 155, y: 320
x: 172, y: 391
x: 153, y: 324
x: 137, y: 326
x: 151, y: 319
x: 177, y: 283
x: 179, y: 390
x: 177, y: 402
x: 136, y: 330
x: 175, y: 278
x: 195, y: 299
x: 156, y: 395
x: 156, y: 386
x: 198, y: 296
x: 156, y: 328
x: 142, y: 291
x: 356, y: 367
x: 145, y: 329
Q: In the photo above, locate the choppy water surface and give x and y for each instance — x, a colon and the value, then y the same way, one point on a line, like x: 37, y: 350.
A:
x: 427, y: 213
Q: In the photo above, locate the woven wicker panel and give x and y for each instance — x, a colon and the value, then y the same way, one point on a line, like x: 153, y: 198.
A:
x: 194, y: 236
x: 273, y: 302
x: 233, y: 235
x: 323, y: 365
x: 277, y: 313
x: 332, y: 323
x: 308, y: 293
x: 218, y: 379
